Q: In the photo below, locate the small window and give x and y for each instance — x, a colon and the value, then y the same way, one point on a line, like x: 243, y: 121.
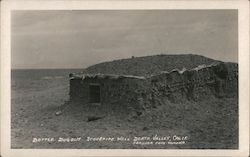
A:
x: 94, y: 93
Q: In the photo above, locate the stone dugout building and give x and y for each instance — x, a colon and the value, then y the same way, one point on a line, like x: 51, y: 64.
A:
x: 145, y: 82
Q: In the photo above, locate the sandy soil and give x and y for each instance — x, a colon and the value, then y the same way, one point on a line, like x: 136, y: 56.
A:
x: 210, y: 123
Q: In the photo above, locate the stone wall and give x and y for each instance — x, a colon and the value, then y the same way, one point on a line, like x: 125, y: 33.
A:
x: 203, y: 82
x: 217, y: 80
x: 115, y: 93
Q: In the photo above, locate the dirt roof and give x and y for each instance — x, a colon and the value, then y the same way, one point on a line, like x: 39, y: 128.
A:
x: 148, y: 65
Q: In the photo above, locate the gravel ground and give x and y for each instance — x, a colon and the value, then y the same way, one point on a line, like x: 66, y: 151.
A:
x: 207, y: 124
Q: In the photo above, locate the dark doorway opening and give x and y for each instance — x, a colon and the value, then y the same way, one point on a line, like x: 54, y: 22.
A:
x: 94, y: 93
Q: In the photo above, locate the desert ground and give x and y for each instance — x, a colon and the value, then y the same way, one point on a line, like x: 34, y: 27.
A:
x: 207, y: 124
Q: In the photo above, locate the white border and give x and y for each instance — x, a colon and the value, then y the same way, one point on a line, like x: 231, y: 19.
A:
x: 243, y: 21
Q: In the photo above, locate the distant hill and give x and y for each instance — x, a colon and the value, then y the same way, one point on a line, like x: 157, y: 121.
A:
x: 149, y: 65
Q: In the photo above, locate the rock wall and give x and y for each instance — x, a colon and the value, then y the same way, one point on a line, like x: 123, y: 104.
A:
x: 219, y: 80
x: 120, y: 93
x: 203, y: 82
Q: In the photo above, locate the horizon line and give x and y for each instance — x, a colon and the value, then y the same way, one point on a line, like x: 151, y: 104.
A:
x: 44, y: 68
x: 63, y: 68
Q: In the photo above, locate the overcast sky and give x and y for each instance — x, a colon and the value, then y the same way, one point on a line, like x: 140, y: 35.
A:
x: 77, y: 39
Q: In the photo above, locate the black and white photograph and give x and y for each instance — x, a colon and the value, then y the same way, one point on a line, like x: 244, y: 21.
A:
x: 131, y: 79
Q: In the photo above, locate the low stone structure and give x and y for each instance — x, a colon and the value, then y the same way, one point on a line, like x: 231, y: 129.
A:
x: 125, y: 90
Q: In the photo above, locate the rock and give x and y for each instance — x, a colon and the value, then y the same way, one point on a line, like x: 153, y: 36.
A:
x: 93, y: 118
x: 58, y: 113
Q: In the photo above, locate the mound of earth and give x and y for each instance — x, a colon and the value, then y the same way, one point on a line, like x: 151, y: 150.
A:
x: 149, y: 65
x: 200, y: 102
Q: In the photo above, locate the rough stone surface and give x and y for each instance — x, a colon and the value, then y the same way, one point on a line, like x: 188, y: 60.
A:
x: 216, y: 79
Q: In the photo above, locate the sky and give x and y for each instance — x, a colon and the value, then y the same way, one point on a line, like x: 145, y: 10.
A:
x: 78, y: 39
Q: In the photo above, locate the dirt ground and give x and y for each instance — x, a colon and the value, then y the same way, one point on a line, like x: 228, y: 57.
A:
x: 206, y: 124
